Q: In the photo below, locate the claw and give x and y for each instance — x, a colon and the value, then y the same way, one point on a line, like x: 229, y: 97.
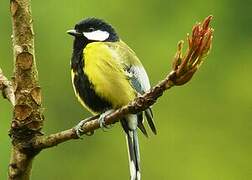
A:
x: 79, y: 131
x: 101, y: 120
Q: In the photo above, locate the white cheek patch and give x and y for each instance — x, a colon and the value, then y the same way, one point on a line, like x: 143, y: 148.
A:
x: 96, y: 35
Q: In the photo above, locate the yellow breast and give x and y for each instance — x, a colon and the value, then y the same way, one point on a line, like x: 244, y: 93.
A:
x: 106, y: 73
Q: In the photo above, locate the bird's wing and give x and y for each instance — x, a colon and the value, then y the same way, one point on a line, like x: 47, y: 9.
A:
x: 137, y: 76
x: 132, y: 66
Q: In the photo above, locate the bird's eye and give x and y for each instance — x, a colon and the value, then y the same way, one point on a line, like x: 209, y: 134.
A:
x: 91, y: 29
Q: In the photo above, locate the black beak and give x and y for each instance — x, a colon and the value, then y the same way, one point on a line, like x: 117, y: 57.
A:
x: 73, y: 32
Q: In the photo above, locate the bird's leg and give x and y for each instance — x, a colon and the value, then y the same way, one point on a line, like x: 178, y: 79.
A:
x: 102, y: 118
x: 78, y: 128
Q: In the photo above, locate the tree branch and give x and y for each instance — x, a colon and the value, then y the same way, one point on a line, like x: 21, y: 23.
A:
x: 7, y: 88
x: 27, y: 122
x: 27, y: 114
x: 183, y: 67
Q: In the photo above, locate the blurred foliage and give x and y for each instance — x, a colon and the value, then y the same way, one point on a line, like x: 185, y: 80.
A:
x: 204, y: 127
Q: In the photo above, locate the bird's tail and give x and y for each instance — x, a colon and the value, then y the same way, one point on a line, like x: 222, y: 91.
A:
x: 134, y: 155
x: 130, y: 127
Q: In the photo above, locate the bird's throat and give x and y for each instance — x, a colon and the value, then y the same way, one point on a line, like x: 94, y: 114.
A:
x: 77, y: 56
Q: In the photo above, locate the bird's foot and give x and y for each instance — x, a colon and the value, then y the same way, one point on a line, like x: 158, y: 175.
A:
x: 79, y: 130
x: 101, y: 120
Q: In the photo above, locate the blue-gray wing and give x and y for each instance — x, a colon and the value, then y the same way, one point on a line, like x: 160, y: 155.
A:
x: 138, y: 78
x: 136, y: 75
x: 140, y: 82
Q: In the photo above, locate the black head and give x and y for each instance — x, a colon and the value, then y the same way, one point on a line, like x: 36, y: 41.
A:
x: 93, y: 30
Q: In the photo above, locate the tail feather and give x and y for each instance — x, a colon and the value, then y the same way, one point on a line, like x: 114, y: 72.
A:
x: 134, y: 155
x: 149, y: 116
x: 140, y: 124
x: 129, y: 125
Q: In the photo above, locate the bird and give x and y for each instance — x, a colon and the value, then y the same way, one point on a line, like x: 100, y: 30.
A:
x: 106, y: 75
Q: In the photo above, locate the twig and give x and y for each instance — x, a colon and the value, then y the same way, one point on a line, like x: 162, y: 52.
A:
x: 7, y: 88
x: 184, y: 68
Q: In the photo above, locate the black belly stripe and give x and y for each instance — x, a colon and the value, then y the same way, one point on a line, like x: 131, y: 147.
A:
x: 84, y: 88
x: 86, y: 91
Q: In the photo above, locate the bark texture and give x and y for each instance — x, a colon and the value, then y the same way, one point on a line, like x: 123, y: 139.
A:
x: 27, y: 114
x: 25, y: 93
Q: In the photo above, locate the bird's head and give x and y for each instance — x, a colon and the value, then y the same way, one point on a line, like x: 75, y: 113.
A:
x: 94, y: 30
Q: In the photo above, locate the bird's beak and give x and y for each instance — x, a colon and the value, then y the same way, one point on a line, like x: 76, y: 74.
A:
x: 73, y: 32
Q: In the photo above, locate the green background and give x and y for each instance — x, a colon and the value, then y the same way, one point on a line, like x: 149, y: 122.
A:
x: 204, y: 127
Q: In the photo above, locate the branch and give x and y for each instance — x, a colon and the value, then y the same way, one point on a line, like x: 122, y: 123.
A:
x: 183, y: 69
x: 6, y: 88
x: 27, y: 118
